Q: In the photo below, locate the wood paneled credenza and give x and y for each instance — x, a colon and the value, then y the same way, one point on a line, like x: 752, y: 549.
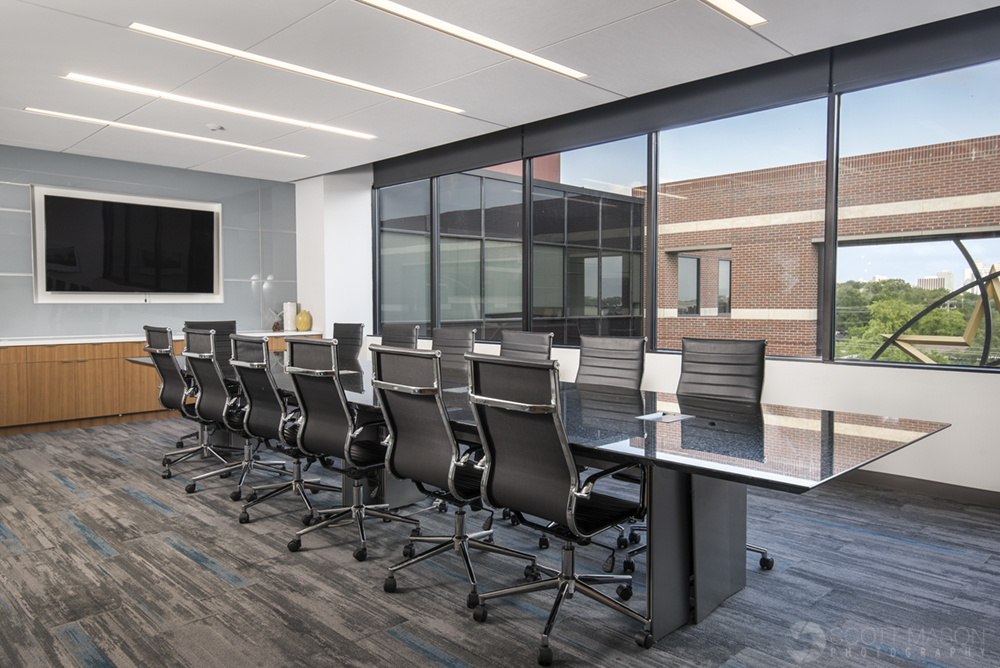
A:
x: 82, y: 383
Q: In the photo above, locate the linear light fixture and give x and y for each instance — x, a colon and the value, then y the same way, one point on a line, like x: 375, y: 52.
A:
x: 738, y: 11
x: 83, y: 78
x: 288, y: 67
x: 165, y: 133
x: 469, y: 36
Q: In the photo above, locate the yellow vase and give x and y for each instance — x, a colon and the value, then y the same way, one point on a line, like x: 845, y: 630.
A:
x: 303, y: 321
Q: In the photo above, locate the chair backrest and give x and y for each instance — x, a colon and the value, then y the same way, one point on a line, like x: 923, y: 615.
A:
x: 265, y: 409
x: 453, y: 345
x: 160, y: 348
x: 529, y: 466
x: 214, y: 399
x: 350, y: 337
x: 526, y: 345
x: 223, y: 347
x: 611, y: 361
x: 722, y: 368
x: 400, y: 336
x: 325, y: 420
x: 611, y: 410
x: 408, y: 386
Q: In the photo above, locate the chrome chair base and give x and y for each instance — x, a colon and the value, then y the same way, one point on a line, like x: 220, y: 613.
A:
x: 297, y: 485
x: 205, y: 449
x: 245, y: 465
x: 459, y: 542
x: 357, y: 513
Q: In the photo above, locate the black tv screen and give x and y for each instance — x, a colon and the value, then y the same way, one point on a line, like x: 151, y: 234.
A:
x: 95, y: 244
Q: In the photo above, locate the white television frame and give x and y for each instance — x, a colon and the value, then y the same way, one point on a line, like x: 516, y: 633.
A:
x: 42, y: 296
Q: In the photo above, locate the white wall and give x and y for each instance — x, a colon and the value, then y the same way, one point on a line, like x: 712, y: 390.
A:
x: 965, y: 454
x: 310, y: 252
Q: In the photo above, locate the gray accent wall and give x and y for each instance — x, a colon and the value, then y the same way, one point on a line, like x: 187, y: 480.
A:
x: 258, y: 243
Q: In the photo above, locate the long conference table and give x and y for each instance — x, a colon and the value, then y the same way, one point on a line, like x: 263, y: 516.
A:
x: 698, y: 456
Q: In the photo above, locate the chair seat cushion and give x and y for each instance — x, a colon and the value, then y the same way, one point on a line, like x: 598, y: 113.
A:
x: 601, y: 511
x: 467, y: 481
x: 366, y: 453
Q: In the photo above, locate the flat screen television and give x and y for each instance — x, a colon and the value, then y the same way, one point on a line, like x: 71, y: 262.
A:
x: 110, y: 248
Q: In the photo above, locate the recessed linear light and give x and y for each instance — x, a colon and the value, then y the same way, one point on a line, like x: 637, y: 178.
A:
x: 165, y: 133
x: 740, y: 12
x: 212, y: 105
x: 288, y: 67
x: 469, y: 36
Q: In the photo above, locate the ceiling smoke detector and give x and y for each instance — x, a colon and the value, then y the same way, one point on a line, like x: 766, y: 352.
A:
x: 215, y: 127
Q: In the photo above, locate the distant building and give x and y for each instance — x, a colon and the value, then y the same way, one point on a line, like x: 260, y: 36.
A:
x: 931, y: 282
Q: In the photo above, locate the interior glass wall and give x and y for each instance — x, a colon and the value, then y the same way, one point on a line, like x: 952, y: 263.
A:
x: 919, y: 220
x: 404, y: 216
x: 743, y: 197
x: 588, y: 209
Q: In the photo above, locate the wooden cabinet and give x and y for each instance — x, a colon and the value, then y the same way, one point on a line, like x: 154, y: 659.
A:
x: 138, y: 385
x: 14, y: 403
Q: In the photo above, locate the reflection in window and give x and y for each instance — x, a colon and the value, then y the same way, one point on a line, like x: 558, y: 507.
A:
x: 687, y: 285
x: 460, y: 271
x: 405, y: 207
x: 406, y: 279
x: 724, y: 286
x: 919, y: 173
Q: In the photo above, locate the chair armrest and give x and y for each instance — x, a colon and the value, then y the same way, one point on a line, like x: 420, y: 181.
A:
x: 588, y: 485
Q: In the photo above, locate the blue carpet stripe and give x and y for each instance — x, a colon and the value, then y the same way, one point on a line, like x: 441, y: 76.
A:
x: 868, y: 532
x: 70, y: 485
x: 206, y: 562
x: 425, y: 649
x: 97, y: 543
x: 9, y: 540
x: 116, y: 456
x: 151, y: 502
x: 12, y: 472
x: 82, y: 647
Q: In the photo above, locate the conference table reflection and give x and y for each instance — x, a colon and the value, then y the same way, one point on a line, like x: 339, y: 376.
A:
x: 699, y: 456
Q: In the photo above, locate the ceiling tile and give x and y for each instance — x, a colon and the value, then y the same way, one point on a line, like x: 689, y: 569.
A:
x: 487, y: 94
x: 414, y: 127
x: 20, y: 128
x: 680, y: 42
x: 187, y: 119
x: 118, y: 144
x: 801, y: 27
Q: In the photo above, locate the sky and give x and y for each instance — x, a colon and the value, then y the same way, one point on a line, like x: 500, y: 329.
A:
x: 945, y: 107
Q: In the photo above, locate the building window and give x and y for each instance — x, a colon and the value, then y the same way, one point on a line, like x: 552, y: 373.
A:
x: 725, y: 267
x: 688, y: 285
x: 918, y: 218
x: 404, y: 215
x: 749, y: 189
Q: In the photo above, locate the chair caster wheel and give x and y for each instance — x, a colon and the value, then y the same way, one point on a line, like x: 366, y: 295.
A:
x: 244, y: 517
x: 415, y: 532
x: 251, y: 497
x: 531, y: 573
x: 165, y: 462
x: 609, y: 564
x: 225, y: 474
x: 514, y: 521
x: 308, y: 520
x: 179, y: 445
x: 361, y: 554
x: 624, y: 592
x: 473, y: 600
x: 442, y: 507
x: 628, y: 566
x: 644, y: 639
x: 622, y: 542
x: 389, y: 585
x: 544, y: 656
x: 505, y: 514
x: 166, y: 475
x: 480, y: 614
x: 408, y: 551
x: 767, y: 563
x: 543, y: 542
x: 633, y: 537
x: 236, y: 495
x: 190, y: 488
x: 314, y: 491
x: 294, y: 545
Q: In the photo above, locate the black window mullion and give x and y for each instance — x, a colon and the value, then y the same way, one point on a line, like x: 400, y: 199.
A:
x: 435, y: 256
x: 527, y: 237
x: 826, y: 314
x: 650, y: 257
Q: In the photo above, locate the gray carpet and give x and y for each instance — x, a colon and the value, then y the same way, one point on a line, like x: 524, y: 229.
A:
x: 103, y: 563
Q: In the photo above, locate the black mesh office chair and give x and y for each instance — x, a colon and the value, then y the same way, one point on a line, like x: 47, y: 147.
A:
x: 611, y: 361
x: 350, y: 338
x: 526, y: 345
x: 422, y: 448
x: 453, y: 345
x: 219, y: 398
x: 530, y: 470
x: 267, y: 417
x: 330, y: 427
x: 175, y: 390
x: 729, y: 369
x: 223, y: 347
x: 400, y: 336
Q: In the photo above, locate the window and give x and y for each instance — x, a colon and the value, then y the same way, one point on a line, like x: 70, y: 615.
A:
x: 725, y: 267
x: 588, y: 214
x: 918, y: 219
x: 744, y: 194
x: 405, y: 254
x: 688, y: 286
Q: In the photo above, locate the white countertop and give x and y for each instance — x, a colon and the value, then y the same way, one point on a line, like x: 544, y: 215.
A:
x: 69, y: 340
